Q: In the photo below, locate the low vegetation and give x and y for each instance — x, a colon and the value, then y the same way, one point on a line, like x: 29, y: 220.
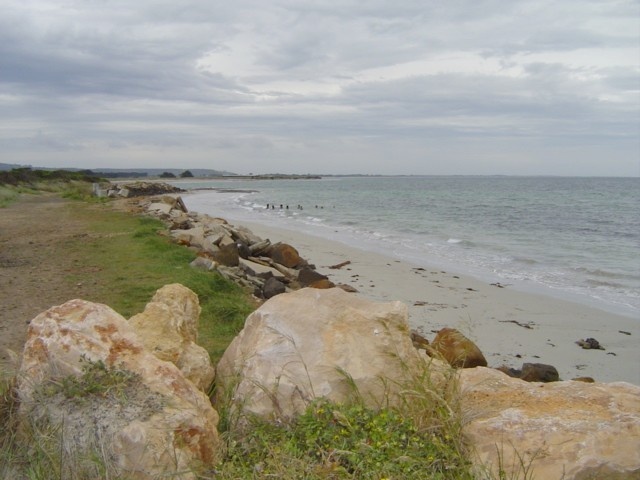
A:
x: 122, y: 260
x: 96, y: 380
x: 347, y: 441
x: 37, y: 178
x: 69, y: 184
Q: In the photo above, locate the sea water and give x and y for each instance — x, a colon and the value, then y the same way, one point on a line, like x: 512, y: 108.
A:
x: 574, y: 238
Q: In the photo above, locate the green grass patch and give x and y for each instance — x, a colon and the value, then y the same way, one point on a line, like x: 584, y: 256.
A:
x: 8, y: 195
x: 123, y: 259
x: 345, y: 442
x: 120, y: 260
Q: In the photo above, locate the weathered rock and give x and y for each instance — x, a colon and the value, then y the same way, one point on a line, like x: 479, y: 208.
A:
x: 286, y: 255
x: 258, y: 269
x: 160, y: 208
x: 317, y: 343
x: 322, y: 284
x: 272, y: 287
x: 214, y: 228
x: 532, y: 372
x: 419, y: 341
x: 178, y: 204
x: 203, y: 263
x: 307, y: 276
x: 289, y: 273
x: 168, y: 328
x: 347, y: 288
x: 194, y: 237
x: 179, y: 221
x: 243, y: 250
x: 163, y: 424
x: 512, y: 372
x: 590, y: 344
x: 172, y: 203
x: 568, y: 430
x: 539, y: 372
x: 225, y: 241
x: 457, y: 349
x: 259, y: 247
x: 228, y: 255
x: 244, y: 235
x: 138, y: 189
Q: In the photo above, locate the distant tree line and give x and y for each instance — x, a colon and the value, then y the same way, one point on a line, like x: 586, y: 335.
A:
x: 185, y: 174
x: 25, y: 175
x: 120, y: 174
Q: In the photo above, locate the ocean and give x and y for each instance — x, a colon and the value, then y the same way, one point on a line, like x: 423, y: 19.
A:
x: 572, y: 238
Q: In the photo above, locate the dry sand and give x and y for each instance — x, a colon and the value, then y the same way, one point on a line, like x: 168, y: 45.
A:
x: 509, y: 326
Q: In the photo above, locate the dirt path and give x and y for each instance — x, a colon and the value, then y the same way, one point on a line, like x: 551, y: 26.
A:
x: 33, y: 232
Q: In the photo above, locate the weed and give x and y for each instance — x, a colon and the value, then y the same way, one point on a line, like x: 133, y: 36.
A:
x: 8, y: 195
x: 339, y: 441
x: 96, y: 379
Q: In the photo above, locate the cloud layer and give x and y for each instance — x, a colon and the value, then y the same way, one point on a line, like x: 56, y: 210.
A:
x: 331, y: 86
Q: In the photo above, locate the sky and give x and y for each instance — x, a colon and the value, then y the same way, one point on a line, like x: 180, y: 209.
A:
x: 467, y: 87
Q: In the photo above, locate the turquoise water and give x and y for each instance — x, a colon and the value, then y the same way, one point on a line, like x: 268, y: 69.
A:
x: 576, y: 238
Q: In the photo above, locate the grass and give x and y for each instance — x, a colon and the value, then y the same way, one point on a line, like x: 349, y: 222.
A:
x: 123, y: 259
x: 412, y: 430
x: 350, y: 441
x: 8, y: 195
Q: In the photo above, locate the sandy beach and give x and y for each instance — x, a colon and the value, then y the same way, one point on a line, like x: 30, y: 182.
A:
x: 509, y: 326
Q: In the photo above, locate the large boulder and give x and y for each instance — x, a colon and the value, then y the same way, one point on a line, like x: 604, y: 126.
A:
x: 539, y: 372
x: 569, y: 430
x: 156, y: 422
x: 316, y: 343
x: 228, y: 255
x: 286, y: 255
x: 308, y: 276
x: 168, y: 328
x: 457, y: 349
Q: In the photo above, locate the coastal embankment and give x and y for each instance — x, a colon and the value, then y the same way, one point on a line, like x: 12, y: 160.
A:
x: 280, y: 358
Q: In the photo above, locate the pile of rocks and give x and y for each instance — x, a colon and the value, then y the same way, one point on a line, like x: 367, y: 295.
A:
x: 296, y: 347
x: 325, y: 343
x: 266, y: 268
x: 136, y: 189
x: 147, y: 412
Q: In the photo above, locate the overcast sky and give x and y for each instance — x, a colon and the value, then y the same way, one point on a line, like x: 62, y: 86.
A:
x: 323, y: 86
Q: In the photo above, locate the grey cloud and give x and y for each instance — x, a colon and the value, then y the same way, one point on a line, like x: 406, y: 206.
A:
x: 120, y: 75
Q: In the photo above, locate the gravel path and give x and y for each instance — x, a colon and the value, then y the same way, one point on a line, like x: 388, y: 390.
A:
x: 33, y: 260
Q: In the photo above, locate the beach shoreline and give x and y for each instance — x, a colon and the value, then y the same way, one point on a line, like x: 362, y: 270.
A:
x: 511, y: 327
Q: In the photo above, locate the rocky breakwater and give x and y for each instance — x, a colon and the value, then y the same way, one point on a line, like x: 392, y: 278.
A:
x: 266, y: 269
x: 134, y: 189
x: 129, y: 391
x: 325, y: 343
